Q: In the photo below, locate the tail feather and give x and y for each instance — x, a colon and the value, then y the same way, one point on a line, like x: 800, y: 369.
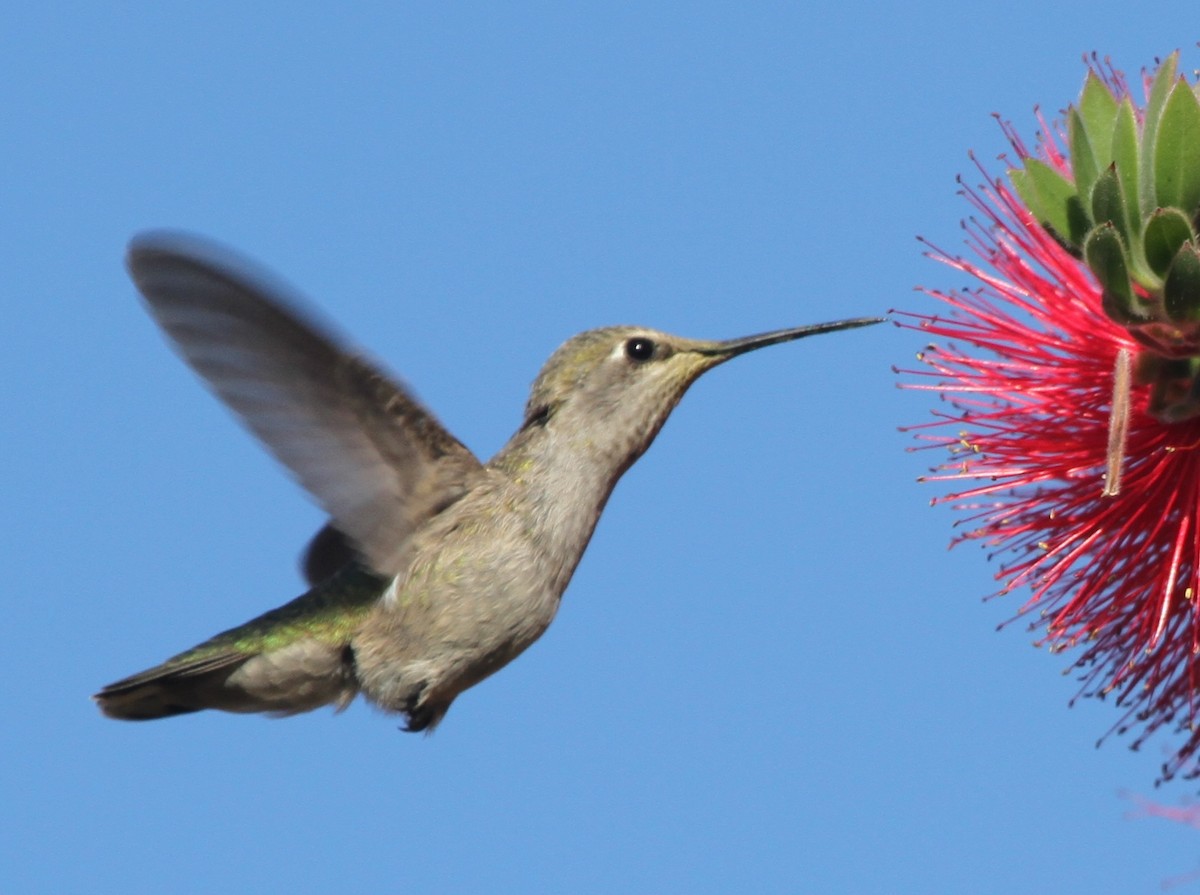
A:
x: 172, y: 688
x: 292, y: 659
x: 299, y: 677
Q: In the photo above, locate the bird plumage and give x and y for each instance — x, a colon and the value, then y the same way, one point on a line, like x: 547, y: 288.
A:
x: 435, y: 570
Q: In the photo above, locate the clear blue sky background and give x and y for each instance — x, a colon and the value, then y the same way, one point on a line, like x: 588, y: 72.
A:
x: 768, y: 674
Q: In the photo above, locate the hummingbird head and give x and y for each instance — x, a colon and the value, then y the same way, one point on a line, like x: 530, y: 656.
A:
x: 612, y: 389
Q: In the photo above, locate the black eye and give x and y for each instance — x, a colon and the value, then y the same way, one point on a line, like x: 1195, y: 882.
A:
x: 639, y: 348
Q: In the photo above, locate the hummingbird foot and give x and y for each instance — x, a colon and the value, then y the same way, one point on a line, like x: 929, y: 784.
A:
x: 423, y: 713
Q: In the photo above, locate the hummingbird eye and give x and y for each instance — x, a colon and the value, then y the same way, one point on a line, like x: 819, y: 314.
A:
x: 639, y: 348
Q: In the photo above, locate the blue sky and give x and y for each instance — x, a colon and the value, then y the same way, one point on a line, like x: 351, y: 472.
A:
x: 768, y: 675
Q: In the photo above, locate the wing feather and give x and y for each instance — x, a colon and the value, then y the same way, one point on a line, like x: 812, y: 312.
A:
x: 375, y: 459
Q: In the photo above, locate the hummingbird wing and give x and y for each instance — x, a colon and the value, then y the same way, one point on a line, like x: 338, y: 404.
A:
x: 367, y: 451
x: 326, y: 552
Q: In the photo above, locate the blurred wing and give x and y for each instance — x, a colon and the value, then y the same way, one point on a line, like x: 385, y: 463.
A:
x: 326, y: 553
x: 371, y: 455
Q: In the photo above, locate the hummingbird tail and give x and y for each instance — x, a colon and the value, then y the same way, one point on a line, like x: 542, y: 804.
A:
x: 296, y: 678
x: 172, y: 689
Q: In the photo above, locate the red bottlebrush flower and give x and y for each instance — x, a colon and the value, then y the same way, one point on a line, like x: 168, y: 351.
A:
x: 1072, y: 377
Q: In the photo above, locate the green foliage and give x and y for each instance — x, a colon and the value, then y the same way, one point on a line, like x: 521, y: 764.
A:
x: 1098, y: 114
x: 1108, y: 203
x: 1052, y: 199
x: 1181, y: 292
x: 1125, y: 156
x: 1084, y: 164
x: 1167, y: 229
x: 1129, y: 200
x: 1161, y: 85
x: 1177, y: 151
x: 1104, y: 252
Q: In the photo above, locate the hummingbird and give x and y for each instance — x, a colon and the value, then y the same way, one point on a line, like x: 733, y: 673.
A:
x: 435, y: 570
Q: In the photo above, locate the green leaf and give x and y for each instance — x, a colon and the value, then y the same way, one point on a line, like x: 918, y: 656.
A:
x: 1108, y: 205
x: 1177, y: 151
x: 1166, y: 230
x: 1125, y: 157
x: 1181, y: 292
x: 1019, y: 178
x: 1104, y: 252
x: 1164, y: 78
x: 1083, y: 159
x: 1098, y: 110
x: 1052, y: 199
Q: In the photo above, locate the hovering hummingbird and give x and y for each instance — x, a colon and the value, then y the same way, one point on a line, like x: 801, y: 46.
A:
x: 435, y: 570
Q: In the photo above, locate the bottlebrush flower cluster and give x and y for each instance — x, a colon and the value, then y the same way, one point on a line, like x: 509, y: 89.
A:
x: 1071, y: 380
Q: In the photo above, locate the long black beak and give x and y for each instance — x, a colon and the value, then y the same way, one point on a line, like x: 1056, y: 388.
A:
x: 733, y: 347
